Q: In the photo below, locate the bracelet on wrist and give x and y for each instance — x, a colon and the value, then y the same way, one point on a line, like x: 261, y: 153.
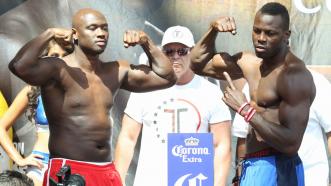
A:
x: 249, y: 115
x: 241, y: 108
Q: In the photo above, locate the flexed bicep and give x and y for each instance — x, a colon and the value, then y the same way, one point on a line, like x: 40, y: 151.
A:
x: 141, y: 78
x: 297, y: 91
x: 39, y: 73
x: 27, y: 63
x: 220, y: 63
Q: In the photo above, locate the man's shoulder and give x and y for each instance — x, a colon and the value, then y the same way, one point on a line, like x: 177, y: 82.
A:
x: 293, y: 61
x: 294, y: 66
x: 206, y: 88
x: 296, y: 69
x: 207, y: 84
x: 145, y: 100
x: 295, y: 79
x: 295, y: 73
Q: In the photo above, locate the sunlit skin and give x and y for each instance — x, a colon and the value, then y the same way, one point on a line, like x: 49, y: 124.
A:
x: 281, y: 88
x: 16, y: 110
x: 78, y: 90
x: 268, y: 36
x: 179, y: 55
x: 92, y: 31
x: 180, y: 64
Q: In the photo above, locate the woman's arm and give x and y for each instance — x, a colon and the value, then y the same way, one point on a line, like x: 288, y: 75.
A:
x: 15, y: 110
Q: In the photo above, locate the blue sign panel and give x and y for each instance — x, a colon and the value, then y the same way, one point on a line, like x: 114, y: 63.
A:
x: 190, y: 159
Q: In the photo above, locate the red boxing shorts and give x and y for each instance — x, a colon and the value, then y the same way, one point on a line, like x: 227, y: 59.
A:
x: 95, y: 174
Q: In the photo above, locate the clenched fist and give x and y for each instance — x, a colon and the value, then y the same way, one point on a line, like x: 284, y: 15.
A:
x: 62, y: 36
x: 134, y: 37
x: 224, y: 24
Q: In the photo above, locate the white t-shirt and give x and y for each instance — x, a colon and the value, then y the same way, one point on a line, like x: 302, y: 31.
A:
x: 186, y: 108
x: 312, y: 150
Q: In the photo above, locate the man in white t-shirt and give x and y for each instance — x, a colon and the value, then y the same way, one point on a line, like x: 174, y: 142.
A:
x: 312, y: 150
x: 202, y: 111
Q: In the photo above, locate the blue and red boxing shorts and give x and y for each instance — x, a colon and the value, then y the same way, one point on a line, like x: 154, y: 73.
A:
x: 95, y: 174
x: 273, y: 169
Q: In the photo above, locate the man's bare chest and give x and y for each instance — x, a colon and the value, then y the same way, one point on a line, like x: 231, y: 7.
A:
x: 87, y: 89
x: 264, y: 92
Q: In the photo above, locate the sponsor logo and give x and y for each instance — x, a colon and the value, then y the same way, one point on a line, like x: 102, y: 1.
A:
x: 310, y: 10
x: 195, y: 181
x: 187, y: 153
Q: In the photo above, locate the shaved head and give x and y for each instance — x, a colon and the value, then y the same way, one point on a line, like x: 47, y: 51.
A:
x: 90, y: 31
x: 83, y: 14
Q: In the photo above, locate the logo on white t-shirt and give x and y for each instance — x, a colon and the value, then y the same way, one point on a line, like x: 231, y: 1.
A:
x: 175, y: 116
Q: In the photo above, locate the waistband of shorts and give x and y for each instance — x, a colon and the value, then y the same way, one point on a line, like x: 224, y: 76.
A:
x: 262, y: 153
x: 82, y: 164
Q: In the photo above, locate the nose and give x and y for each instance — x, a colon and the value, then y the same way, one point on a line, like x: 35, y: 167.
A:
x: 262, y: 37
x: 101, y: 33
x: 175, y: 55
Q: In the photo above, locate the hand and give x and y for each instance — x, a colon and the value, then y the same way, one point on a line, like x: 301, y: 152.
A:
x: 235, y: 181
x: 62, y: 36
x: 134, y: 37
x: 224, y: 24
x: 233, y: 97
x: 32, y: 159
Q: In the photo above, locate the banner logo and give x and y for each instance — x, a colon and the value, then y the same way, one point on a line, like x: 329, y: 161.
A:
x: 190, y: 159
x: 195, y: 181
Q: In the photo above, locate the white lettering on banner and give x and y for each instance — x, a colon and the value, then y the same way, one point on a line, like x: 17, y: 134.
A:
x: 19, y: 147
x: 180, y: 150
x: 191, y: 159
x: 301, y: 7
x: 184, y: 152
x: 195, y: 181
x: 328, y: 4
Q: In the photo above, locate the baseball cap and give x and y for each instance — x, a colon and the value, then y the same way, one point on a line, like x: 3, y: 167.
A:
x: 178, y: 34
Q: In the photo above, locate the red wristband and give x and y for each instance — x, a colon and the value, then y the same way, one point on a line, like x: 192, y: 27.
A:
x: 249, y: 114
x: 242, y: 107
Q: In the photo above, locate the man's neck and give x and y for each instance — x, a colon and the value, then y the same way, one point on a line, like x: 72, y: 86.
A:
x: 269, y: 64
x: 185, y: 78
x: 85, y: 60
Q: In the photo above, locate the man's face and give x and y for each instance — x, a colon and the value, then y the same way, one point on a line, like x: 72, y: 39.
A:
x: 93, y: 33
x: 268, y: 35
x: 179, y: 56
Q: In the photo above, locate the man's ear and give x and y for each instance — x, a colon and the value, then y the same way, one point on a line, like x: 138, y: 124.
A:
x: 287, y: 36
x: 74, y: 36
x: 288, y: 33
